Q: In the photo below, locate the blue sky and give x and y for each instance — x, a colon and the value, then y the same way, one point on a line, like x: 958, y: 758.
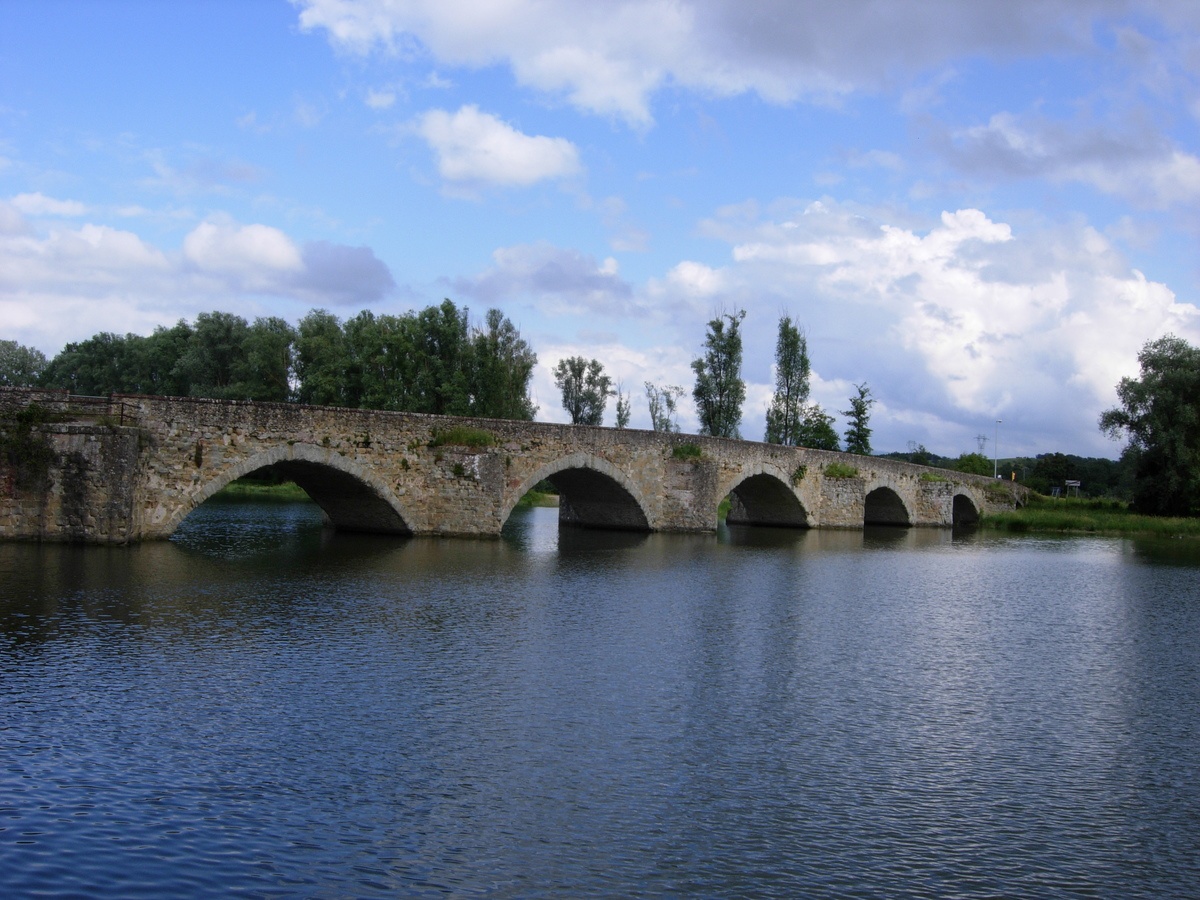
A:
x: 982, y: 210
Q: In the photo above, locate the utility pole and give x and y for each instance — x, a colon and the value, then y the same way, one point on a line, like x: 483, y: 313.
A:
x: 996, y: 448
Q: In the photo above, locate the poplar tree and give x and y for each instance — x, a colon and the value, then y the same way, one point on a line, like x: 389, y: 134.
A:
x: 858, y: 435
x: 585, y: 389
x: 785, y: 415
x: 720, y: 390
x: 623, y: 407
x: 661, y: 401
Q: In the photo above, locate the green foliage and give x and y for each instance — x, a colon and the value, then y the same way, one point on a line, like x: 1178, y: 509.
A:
x: 686, y: 451
x: 462, y: 436
x: 267, y: 370
x: 816, y: 429
x: 263, y: 491
x: 999, y: 492
x: 20, y: 366
x: 720, y: 390
x: 798, y: 474
x: 974, y: 464
x: 623, y: 408
x: 919, y: 454
x: 840, y: 470
x: 1160, y: 416
x: 662, y: 402
x: 502, y: 366
x: 1091, y: 516
x: 585, y: 389
x: 933, y: 477
x: 322, y: 359
x: 429, y: 362
x: 858, y: 434
x: 792, y: 373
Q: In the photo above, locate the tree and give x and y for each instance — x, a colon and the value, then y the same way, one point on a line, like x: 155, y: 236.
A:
x: 20, y: 366
x: 214, y: 363
x: 858, y: 434
x: 268, y: 366
x: 720, y: 391
x: 95, y: 367
x: 816, y: 430
x: 154, y: 361
x: 1160, y: 416
x: 502, y: 367
x: 792, y: 372
x: 974, y: 464
x: 662, y: 402
x: 321, y: 359
x: 585, y: 389
x: 623, y: 408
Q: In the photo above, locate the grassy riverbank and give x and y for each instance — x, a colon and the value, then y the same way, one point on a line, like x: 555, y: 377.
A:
x: 1072, y: 516
x: 242, y: 489
x: 537, y: 498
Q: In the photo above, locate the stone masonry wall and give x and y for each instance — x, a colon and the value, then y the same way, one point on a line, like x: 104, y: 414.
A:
x: 129, y: 468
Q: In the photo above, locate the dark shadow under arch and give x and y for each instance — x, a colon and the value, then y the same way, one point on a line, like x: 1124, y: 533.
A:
x: 765, y: 500
x: 590, y: 499
x: 349, y: 504
x: 883, y: 506
x: 965, y: 511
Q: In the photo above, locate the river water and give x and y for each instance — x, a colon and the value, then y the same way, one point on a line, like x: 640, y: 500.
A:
x: 263, y: 708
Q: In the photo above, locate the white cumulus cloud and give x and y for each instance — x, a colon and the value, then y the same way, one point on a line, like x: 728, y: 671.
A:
x: 38, y: 204
x: 476, y: 148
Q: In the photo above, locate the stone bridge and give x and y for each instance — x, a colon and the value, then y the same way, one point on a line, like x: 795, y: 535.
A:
x: 131, y: 468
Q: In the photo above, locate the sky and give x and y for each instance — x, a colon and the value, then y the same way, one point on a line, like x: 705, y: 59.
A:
x: 981, y: 210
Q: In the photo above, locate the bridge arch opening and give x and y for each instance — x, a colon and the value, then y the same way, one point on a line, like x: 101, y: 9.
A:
x: 764, y: 499
x: 591, y: 494
x: 353, y: 499
x: 965, y: 512
x: 883, y: 506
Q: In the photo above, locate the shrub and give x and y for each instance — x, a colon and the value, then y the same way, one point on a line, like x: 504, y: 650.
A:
x: 686, y: 451
x: 462, y: 436
x: 840, y: 470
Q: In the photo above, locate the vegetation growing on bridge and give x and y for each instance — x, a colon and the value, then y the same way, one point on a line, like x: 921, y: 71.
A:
x: 686, y: 451
x: 462, y: 436
x: 840, y: 470
x: 24, y: 450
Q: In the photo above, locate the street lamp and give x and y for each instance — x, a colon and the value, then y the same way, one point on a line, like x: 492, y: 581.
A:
x: 996, y: 451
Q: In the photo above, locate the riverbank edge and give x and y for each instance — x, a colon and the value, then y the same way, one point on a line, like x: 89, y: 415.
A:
x: 1045, y: 515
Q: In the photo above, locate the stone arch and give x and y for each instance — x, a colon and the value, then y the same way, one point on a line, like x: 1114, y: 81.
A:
x: 762, y: 494
x: 884, y: 505
x: 965, y: 509
x: 593, y: 493
x: 352, y: 496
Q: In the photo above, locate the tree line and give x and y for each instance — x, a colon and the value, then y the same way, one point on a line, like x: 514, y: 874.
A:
x: 719, y: 392
x: 431, y: 361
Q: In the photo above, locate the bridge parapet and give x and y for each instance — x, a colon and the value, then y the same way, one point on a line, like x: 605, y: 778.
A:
x: 128, y: 468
